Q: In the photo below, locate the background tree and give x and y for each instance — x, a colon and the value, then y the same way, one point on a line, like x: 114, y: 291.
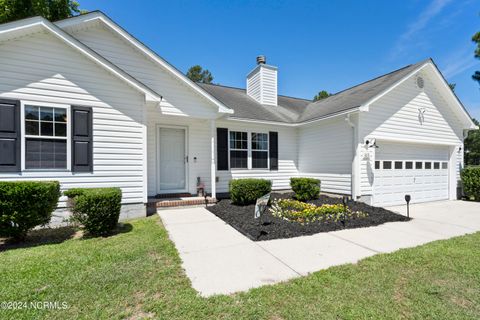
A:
x: 472, y: 147
x: 53, y: 10
x: 476, y: 39
x: 321, y: 95
x: 472, y: 142
x: 452, y: 86
x: 197, y: 74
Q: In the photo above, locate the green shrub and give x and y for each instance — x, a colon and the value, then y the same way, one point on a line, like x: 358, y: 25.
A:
x: 25, y: 205
x: 72, y: 193
x: 247, y: 191
x: 96, y: 209
x: 305, y: 188
x: 471, y: 182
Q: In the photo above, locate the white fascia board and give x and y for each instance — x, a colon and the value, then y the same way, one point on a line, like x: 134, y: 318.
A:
x: 453, y: 97
x: 11, y: 27
x: 468, y: 120
x: 39, y: 23
x: 89, y: 17
x: 366, y: 105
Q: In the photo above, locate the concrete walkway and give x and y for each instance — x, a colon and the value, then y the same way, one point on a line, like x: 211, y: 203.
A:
x: 220, y: 260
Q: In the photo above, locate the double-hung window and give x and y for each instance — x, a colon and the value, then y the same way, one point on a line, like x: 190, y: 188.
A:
x: 259, y: 150
x: 238, y: 150
x: 248, y: 150
x: 45, y: 137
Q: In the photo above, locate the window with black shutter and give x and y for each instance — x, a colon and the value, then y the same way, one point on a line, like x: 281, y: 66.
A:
x: 10, y: 142
x: 222, y: 149
x: 45, y: 137
x: 82, y: 142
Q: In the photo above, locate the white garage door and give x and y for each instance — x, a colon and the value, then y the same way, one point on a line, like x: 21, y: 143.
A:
x: 418, y: 170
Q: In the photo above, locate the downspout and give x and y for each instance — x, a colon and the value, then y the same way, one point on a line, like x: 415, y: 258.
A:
x: 354, y: 158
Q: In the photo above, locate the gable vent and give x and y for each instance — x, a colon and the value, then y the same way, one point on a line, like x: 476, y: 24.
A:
x: 420, y: 82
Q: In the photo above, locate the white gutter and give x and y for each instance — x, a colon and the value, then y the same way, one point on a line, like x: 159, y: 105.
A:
x: 285, y: 124
x: 355, y: 162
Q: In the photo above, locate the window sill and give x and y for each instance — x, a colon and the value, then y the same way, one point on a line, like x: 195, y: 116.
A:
x: 249, y: 170
x: 46, y: 170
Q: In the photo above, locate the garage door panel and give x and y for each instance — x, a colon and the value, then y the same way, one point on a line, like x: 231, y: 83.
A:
x: 418, y: 170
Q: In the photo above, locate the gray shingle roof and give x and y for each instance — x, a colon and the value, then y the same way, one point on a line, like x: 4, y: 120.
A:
x: 287, y: 110
x: 295, y: 110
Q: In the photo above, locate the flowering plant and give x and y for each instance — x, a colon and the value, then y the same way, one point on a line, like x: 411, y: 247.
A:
x: 297, y: 211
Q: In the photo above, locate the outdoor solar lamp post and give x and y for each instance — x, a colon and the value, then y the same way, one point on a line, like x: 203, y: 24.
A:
x: 408, y: 198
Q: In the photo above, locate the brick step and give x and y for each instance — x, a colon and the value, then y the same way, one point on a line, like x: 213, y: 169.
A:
x: 179, y: 202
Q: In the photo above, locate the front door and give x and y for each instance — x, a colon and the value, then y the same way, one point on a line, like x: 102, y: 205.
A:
x: 172, y: 158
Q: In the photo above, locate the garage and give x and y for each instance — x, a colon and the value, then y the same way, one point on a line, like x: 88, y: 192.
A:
x: 419, y: 170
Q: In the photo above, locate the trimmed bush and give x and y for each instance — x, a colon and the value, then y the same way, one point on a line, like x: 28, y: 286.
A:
x: 471, y: 182
x: 247, y: 191
x: 25, y: 205
x: 305, y: 188
x: 96, y: 209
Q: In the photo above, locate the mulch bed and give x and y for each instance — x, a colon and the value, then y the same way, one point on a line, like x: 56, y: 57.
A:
x: 268, y: 227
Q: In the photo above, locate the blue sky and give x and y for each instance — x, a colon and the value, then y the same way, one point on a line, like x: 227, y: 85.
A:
x: 316, y: 45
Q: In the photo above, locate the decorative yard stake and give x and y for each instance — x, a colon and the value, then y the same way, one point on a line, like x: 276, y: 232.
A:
x: 261, y: 205
x: 344, y: 201
x: 408, y: 198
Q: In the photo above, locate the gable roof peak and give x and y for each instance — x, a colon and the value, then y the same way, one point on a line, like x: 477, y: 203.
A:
x: 138, y: 45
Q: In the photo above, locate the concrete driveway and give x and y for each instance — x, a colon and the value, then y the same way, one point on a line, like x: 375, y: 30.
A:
x: 220, y: 260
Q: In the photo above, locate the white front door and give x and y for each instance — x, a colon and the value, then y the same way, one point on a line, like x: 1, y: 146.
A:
x: 172, y: 160
x: 418, y: 170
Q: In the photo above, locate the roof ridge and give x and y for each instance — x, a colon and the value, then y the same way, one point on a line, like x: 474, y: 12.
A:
x: 243, y: 89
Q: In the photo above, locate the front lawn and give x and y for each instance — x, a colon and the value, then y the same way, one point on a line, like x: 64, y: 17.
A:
x: 137, y: 274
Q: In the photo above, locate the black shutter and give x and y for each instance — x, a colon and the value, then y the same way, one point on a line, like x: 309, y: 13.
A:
x: 222, y: 149
x: 10, y: 136
x: 82, y: 142
x: 273, y: 149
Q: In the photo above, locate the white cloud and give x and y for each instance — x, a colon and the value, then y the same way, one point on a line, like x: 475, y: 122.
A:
x: 422, y: 20
x: 459, y: 61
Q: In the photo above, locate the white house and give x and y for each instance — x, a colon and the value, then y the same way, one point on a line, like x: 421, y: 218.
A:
x: 86, y: 103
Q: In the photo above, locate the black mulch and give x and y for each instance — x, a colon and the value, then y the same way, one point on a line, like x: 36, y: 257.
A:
x: 268, y: 227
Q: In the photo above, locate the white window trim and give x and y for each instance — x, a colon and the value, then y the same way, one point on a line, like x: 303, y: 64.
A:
x: 24, y: 103
x: 249, y: 151
x: 267, y: 151
x: 235, y: 149
x: 413, y: 164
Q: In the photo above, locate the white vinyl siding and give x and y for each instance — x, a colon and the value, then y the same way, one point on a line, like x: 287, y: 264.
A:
x: 325, y: 152
x: 395, y: 117
x: 177, y: 97
x: 199, y: 153
x: 287, y: 157
x: 42, y: 69
x: 262, y: 84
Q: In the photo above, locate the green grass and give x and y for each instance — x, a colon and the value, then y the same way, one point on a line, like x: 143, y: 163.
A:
x: 137, y: 274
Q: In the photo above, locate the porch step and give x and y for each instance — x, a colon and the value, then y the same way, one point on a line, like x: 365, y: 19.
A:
x: 179, y: 202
